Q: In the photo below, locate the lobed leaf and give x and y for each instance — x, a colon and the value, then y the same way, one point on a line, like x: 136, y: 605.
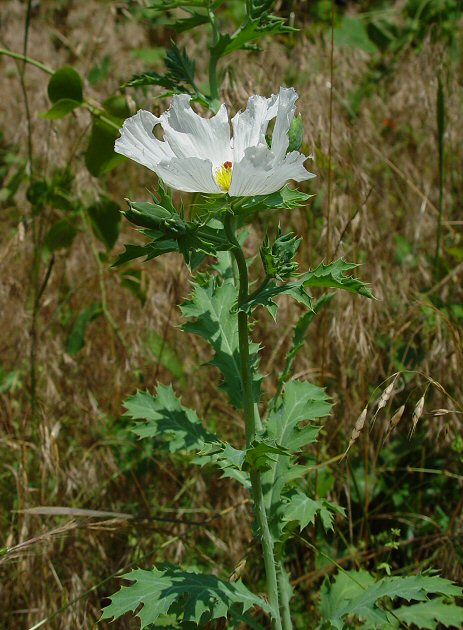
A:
x: 190, y: 596
x: 213, y: 305
x: 333, y: 276
x: 357, y: 593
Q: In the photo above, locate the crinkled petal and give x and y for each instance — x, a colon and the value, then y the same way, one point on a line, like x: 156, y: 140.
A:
x: 286, y: 107
x: 258, y: 173
x: 190, y: 135
x: 250, y: 126
x: 138, y: 143
x: 190, y: 174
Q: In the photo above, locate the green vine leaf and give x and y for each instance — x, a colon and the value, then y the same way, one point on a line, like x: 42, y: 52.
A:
x: 357, y: 593
x: 333, y: 276
x: 190, y: 596
x: 213, y: 306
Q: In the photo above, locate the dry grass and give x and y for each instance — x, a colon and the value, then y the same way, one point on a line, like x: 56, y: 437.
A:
x: 76, y: 453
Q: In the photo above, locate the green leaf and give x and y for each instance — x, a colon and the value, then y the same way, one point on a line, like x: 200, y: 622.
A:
x: 180, y: 67
x: 60, y: 109
x: 303, y: 510
x: 353, y: 33
x: 132, y: 279
x: 65, y: 84
x: 289, y: 425
x: 105, y: 217
x: 168, y: 420
x: 333, y: 276
x: 76, y: 339
x: 250, y: 32
x: 214, y: 307
x: 265, y: 295
x: 190, y: 596
x: 59, y: 236
x: 429, y: 615
x: 185, y: 24
x: 100, y: 156
x: 284, y: 199
x: 165, y: 354
x: 357, y: 593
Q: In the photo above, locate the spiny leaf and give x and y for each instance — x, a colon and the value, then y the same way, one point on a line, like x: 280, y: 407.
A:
x: 190, y: 596
x: 271, y: 289
x: 213, y: 305
x: 301, y: 402
x: 429, y: 615
x: 167, y: 419
x: 303, y: 510
x: 333, y: 276
x: 284, y: 199
x: 357, y: 593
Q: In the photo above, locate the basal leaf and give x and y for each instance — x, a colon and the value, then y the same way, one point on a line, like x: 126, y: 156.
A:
x: 356, y: 593
x: 213, y: 306
x: 333, y: 276
x: 190, y: 596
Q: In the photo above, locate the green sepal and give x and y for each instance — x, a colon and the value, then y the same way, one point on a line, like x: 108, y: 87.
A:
x: 295, y: 132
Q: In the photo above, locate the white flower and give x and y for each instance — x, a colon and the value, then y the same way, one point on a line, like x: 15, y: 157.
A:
x: 198, y: 155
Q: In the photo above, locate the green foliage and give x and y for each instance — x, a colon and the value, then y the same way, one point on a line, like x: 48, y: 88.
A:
x: 356, y: 593
x: 190, y: 596
x: 76, y: 339
x: 178, y: 78
x: 333, y: 276
x: 165, y: 354
x: 213, y: 305
x: 290, y: 425
x: 60, y: 109
x: 302, y: 510
x: 168, y: 420
x: 284, y: 199
x: 171, y: 232
x: 105, y: 217
x: 65, y: 83
x: 59, y: 236
x: 100, y: 157
x: 278, y: 257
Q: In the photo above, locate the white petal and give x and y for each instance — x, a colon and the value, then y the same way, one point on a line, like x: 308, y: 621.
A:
x: 190, y: 135
x: 138, y: 143
x: 258, y: 173
x: 249, y: 127
x: 189, y: 174
x: 286, y: 107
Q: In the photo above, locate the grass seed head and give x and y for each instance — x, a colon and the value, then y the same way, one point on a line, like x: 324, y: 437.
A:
x: 417, y: 412
x: 359, y: 424
x: 396, y: 418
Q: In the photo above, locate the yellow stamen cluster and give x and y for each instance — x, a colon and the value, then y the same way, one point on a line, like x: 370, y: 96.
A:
x: 223, y: 176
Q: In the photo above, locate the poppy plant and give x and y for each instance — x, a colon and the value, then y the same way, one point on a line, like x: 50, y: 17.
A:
x: 200, y: 155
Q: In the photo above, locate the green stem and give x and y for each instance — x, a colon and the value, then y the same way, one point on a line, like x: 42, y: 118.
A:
x: 250, y: 421
x: 284, y: 597
x: 32, y: 62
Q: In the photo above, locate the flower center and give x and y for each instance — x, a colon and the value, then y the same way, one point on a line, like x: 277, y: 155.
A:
x: 223, y: 175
